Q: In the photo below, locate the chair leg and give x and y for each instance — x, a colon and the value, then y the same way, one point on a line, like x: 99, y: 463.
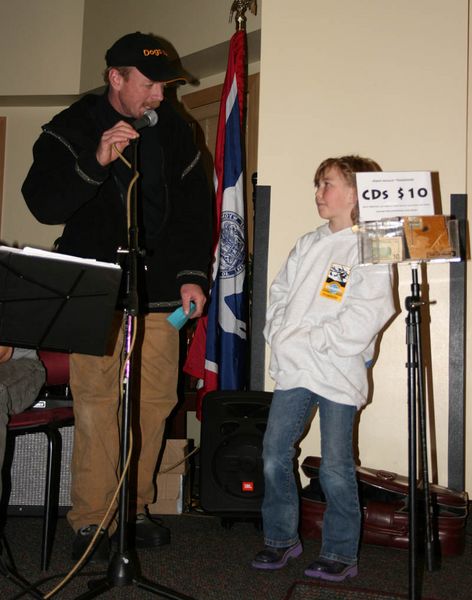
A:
x: 51, y: 493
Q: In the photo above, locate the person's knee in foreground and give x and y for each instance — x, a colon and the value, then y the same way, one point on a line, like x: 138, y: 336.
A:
x: 81, y: 177
x: 22, y: 376
x: 324, y: 314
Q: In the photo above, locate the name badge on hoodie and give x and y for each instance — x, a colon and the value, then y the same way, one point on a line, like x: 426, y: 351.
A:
x: 335, y: 285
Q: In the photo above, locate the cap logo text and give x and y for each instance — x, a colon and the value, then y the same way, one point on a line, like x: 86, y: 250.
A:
x: 154, y: 52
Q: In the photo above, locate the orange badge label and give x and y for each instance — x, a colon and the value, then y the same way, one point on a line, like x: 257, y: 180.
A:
x: 335, y: 285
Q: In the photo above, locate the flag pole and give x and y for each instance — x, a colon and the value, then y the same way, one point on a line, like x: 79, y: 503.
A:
x: 217, y: 355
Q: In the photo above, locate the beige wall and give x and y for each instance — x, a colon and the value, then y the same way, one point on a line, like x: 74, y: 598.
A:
x: 68, y: 41
x: 19, y: 227
x: 190, y: 26
x: 386, y: 80
x: 40, y: 46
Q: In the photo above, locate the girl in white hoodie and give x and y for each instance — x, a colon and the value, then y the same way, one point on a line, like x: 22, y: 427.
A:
x: 324, y: 314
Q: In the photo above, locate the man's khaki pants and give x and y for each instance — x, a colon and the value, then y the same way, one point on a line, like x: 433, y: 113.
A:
x: 96, y: 399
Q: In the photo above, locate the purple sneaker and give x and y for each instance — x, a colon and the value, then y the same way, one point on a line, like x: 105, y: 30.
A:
x: 275, y: 558
x: 330, y: 570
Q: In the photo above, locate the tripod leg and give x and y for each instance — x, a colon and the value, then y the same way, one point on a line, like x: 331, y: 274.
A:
x: 416, y: 402
x: 160, y: 590
x: 412, y: 458
x: 429, y: 547
x: 104, y: 585
x: 412, y: 304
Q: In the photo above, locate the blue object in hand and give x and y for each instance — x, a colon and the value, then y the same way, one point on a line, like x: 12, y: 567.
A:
x: 178, y: 318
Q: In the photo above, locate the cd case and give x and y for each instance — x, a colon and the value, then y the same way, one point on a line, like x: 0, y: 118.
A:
x: 433, y: 238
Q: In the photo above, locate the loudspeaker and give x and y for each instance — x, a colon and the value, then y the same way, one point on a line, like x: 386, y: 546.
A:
x: 231, y: 474
x: 28, y: 473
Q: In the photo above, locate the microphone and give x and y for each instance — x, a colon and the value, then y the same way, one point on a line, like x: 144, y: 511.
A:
x: 149, y: 119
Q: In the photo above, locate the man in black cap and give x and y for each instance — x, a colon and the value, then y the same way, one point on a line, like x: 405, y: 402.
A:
x: 79, y: 178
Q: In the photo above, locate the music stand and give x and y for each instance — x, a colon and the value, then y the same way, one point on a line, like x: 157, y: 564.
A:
x: 413, y: 240
x: 51, y: 301
x: 57, y: 302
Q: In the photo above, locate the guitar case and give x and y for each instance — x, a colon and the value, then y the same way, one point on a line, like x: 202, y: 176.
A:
x: 384, y: 500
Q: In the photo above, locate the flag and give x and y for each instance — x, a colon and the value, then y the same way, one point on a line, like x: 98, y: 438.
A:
x: 217, y: 354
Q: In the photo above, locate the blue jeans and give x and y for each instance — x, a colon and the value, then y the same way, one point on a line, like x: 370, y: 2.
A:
x: 289, y: 412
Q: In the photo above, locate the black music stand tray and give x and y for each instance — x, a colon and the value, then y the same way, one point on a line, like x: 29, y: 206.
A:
x: 56, y: 302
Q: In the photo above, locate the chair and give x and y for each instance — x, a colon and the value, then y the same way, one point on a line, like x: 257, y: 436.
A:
x: 49, y: 420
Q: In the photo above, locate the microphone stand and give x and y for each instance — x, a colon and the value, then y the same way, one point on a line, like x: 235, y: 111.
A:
x: 123, y: 568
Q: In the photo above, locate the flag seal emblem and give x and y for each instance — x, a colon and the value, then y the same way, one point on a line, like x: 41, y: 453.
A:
x: 232, y: 244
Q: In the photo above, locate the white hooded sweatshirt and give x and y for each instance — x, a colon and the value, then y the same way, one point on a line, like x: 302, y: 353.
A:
x: 325, y: 311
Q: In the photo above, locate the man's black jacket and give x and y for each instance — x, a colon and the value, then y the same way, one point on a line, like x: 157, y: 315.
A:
x: 66, y: 185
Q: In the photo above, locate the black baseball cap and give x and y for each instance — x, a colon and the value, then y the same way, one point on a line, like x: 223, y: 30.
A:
x: 145, y: 52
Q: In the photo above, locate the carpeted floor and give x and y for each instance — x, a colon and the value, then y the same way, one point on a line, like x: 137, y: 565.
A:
x: 310, y: 590
x: 207, y: 561
x: 314, y: 590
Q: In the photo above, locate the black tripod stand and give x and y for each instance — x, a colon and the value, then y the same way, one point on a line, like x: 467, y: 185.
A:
x: 123, y: 568
x: 416, y: 405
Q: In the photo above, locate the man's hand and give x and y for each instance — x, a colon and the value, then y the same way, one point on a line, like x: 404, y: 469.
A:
x: 5, y: 353
x: 192, y: 291
x: 120, y: 136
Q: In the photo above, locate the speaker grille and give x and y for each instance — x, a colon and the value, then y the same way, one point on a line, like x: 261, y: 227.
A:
x: 237, y: 460
x: 231, y: 469
x: 28, y: 472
